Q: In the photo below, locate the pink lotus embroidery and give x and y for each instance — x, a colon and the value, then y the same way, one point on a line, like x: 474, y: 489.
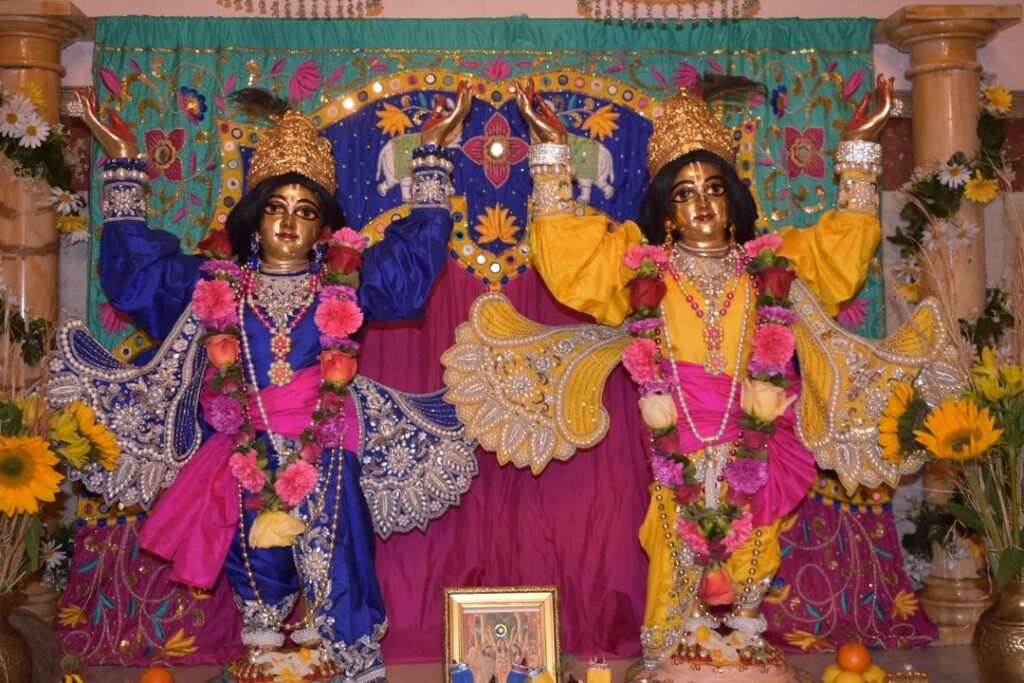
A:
x: 803, y: 152
x: 162, y: 149
x: 495, y: 150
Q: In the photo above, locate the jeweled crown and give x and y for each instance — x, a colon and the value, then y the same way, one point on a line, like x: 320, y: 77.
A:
x: 688, y: 124
x: 293, y: 145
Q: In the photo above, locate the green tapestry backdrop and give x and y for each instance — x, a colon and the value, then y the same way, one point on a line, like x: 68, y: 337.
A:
x: 369, y: 82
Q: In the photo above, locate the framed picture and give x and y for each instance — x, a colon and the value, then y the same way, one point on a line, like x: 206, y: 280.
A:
x: 490, y: 629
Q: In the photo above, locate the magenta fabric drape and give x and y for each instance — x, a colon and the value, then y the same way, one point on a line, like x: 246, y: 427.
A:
x: 574, y: 526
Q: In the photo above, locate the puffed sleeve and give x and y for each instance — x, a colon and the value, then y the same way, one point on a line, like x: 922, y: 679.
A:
x: 142, y: 271
x: 832, y: 258
x: 399, y: 271
x: 580, y: 260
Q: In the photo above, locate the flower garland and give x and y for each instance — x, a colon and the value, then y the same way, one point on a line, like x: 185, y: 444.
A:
x: 936, y: 191
x: 713, y: 526
x: 219, y: 303
x: 36, y: 150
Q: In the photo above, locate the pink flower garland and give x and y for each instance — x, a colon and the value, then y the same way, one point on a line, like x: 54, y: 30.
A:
x: 225, y: 391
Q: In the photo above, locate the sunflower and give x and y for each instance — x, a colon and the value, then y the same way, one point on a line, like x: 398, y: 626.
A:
x: 27, y: 474
x: 957, y: 430
x: 69, y: 444
x: 903, y: 414
x: 100, y: 438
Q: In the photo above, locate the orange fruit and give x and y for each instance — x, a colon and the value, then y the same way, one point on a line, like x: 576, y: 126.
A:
x: 849, y: 677
x: 156, y: 674
x: 853, y: 657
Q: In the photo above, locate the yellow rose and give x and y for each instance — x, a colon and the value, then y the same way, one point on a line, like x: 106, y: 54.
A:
x: 274, y: 529
x: 764, y: 400
x: 658, y: 411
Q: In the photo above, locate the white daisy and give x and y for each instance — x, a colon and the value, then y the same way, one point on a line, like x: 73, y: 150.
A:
x: 936, y: 234
x: 36, y: 132
x: 64, y: 202
x: 907, y: 270
x: 954, y: 175
x: 961, y: 235
x: 50, y: 556
x: 13, y: 119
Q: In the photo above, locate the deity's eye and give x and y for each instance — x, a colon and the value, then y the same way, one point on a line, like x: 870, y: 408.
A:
x: 682, y: 195
x: 715, y: 188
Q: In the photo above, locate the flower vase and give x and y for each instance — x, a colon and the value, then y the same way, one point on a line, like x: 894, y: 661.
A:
x: 956, y: 592
x: 1000, y: 637
x: 15, y: 658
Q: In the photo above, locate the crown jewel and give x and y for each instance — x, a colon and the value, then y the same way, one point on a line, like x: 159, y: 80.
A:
x: 293, y: 146
x: 687, y: 125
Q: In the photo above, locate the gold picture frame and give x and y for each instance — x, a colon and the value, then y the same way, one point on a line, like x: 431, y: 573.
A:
x: 521, y: 620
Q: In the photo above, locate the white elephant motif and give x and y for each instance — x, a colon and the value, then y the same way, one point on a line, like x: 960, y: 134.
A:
x: 594, y: 166
x: 394, y: 165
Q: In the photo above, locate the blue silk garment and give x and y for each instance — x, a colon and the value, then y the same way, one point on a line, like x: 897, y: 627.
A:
x: 146, y: 276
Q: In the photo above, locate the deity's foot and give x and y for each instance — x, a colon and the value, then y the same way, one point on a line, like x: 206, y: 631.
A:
x: 722, y: 664
x: 293, y: 664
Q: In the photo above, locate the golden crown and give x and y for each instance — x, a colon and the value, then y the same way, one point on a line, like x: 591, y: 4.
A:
x: 292, y: 145
x: 687, y: 125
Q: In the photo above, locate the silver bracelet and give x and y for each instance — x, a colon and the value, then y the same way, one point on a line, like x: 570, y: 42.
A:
x: 431, y: 187
x: 858, y: 155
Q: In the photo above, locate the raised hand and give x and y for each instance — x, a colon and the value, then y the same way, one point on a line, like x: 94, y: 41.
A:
x: 544, y: 125
x: 443, y: 127
x: 117, y: 140
x: 867, y: 124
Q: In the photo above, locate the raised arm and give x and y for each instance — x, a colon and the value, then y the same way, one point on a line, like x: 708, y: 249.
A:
x: 399, y: 272
x: 578, y: 254
x: 142, y: 271
x: 832, y: 258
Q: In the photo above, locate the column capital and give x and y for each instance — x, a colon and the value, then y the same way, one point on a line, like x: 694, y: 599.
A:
x: 32, y: 33
x: 913, y: 24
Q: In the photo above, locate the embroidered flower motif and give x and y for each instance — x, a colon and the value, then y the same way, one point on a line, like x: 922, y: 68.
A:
x: 688, y: 76
x: 496, y: 150
x: 305, y: 82
x: 497, y: 70
x: 497, y: 224
x: 392, y: 120
x: 162, y: 151
x: 803, y: 152
x: 601, y: 124
x: 296, y: 482
x: 779, y: 98
x: 112, y: 319
x: 192, y: 103
x: 853, y: 313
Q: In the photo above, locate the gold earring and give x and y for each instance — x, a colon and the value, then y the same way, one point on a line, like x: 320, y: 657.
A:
x: 669, y: 225
x: 732, y: 234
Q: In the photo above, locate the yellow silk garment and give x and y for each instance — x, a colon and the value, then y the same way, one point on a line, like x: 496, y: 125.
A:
x: 580, y: 259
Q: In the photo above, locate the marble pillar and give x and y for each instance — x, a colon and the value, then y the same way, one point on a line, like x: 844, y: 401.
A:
x: 32, y: 35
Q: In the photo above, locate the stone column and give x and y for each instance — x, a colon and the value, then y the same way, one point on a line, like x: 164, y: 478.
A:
x: 943, y: 42
x: 31, y: 37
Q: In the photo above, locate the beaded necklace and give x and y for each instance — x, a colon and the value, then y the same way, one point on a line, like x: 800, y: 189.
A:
x: 280, y: 304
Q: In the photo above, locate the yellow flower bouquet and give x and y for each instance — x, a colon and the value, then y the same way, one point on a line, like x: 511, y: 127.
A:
x: 982, y: 434
x: 34, y: 444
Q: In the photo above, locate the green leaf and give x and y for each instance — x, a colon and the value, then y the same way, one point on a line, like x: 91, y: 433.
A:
x: 32, y: 539
x: 967, y: 516
x: 1011, y: 561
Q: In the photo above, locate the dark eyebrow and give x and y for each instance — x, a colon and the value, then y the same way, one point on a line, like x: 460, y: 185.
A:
x: 686, y: 181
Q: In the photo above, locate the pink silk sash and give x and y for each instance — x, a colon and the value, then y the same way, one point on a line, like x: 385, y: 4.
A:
x: 195, y: 519
x: 790, y: 465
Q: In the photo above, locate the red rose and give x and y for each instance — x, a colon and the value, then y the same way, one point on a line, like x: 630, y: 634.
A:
x: 668, y: 443
x: 222, y: 349
x: 337, y: 367
x: 344, y: 259
x: 687, y: 494
x: 716, y: 588
x: 646, y: 292
x: 775, y: 281
x: 754, y: 440
x: 216, y: 244
x: 310, y: 452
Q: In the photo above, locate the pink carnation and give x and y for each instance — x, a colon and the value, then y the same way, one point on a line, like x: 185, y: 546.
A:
x: 641, y: 360
x: 644, y: 325
x: 692, y: 537
x: 770, y: 242
x: 739, y: 532
x: 330, y: 433
x: 636, y: 256
x: 224, y: 414
x: 747, y: 475
x: 295, y: 483
x: 667, y: 472
x: 350, y: 238
x: 338, y: 318
x: 776, y: 314
x: 215, y: 305
x: 773, y: 345
x: 247, y: 471
x: 338, y: 292
x: 222, y: 267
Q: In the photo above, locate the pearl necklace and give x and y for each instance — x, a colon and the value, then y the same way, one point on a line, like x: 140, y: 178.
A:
x: 707, y: 441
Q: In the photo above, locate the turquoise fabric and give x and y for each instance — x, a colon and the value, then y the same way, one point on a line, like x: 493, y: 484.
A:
x: 170, y: 79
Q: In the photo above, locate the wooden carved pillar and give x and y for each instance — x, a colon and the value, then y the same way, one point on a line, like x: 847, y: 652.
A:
x: 944, y: 73
x: 31, y: 37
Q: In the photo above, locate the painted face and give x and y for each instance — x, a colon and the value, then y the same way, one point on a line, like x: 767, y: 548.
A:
x: 289, y: 227
x: 699, y: 205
